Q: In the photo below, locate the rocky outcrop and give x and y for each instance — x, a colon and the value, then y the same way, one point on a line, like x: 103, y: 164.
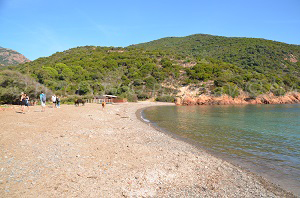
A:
x: 11, y: 57
x: 292, y: 58
x: 289, y: 98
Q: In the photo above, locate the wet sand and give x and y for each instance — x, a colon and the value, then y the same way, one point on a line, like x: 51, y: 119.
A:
x: 86, y: 152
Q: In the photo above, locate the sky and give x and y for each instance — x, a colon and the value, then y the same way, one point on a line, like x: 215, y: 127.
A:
x: 38, y: 28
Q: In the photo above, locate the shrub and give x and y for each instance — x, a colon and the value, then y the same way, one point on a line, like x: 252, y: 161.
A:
x: 165, y: 99
x: 143, y: 96
x: 131, y: 97
x: 69, y: 99
x: 218, y: 91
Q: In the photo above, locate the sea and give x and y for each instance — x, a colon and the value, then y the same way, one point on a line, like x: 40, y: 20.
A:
x: 264, y: 139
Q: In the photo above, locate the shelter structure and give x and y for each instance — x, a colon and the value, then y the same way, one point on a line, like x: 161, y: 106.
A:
x: 109, y: 99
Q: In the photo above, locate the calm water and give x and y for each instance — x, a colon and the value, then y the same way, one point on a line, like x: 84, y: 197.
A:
x: 265, y: 138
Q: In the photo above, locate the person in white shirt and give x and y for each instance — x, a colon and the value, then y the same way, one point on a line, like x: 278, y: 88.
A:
x: 53, y: 98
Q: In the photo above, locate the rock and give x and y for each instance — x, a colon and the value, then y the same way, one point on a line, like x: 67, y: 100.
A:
x: 289, y: 98
x: 178, y: 101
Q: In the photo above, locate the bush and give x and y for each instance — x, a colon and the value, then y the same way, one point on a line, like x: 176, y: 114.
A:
x: 12, y: 83
x: 69, y: 99
x: 218, y: 91
x: 279, y: 92
x: 143, y: 96
x: 231, y: 90
x: 165, y: 99
x: 131, y: 97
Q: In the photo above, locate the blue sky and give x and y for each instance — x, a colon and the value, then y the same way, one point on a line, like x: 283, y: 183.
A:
x: 39, y: 28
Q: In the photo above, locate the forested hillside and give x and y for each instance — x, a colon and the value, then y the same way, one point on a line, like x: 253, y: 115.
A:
x: 212, y: 64
x: 266, y: 62
x: 95, y: 71
x: 250, y: 53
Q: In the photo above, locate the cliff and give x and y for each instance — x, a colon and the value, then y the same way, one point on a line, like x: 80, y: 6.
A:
x: 289, y: 98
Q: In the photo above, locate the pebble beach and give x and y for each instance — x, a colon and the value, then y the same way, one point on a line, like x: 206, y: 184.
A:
x: 89, y: 152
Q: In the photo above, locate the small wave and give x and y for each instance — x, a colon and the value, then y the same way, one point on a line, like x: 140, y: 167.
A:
x: 144, y: 119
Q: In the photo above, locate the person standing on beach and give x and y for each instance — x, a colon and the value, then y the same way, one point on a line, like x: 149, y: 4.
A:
x: 27, y: 102
x: 43, y: 100
x: 53, y: 98
x: 22, y: 93
x: 57, y: 102
x: 23, y: 101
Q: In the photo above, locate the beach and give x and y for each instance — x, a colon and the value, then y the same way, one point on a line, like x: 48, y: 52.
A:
x: 89, y: 152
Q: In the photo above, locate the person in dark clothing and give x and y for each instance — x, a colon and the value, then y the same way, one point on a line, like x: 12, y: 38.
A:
x: 24, y: 102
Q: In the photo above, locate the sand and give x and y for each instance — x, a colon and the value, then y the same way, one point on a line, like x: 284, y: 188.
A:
x: 89, y: 152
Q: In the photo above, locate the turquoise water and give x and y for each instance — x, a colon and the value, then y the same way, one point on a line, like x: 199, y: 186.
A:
x: 263, y: 137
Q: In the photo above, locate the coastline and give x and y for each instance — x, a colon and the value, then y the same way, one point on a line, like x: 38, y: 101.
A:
x: 268, y: 181
x: 243, y: 99
x: 86, y: 152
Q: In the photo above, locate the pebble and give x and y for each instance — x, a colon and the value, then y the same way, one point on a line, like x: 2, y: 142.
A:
x: 180, y: 171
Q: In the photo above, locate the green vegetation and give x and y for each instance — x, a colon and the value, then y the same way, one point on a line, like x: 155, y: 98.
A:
x: 90, y: 70
x: 13, y: 83
x: 165, y: 99
x: 216, y: 64
x: 257, y: 65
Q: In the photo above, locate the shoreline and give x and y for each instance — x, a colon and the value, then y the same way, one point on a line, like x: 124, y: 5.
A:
x: 86, y: 152
x: 267, y: 180
x: 243, y: 99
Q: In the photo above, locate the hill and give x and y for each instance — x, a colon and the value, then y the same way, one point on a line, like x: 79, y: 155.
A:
x: 92, y: 70
x: 250, y: 53
x: 11, y: 57
x: 198, y: 64
x: 277, y: 62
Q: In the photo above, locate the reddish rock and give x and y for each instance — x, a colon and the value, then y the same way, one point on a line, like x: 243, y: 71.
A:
x: 289, y: 98
x: 178, y: 101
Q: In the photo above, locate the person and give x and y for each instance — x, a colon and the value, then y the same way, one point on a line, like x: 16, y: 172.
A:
x: 103, y: 105
x: 27, y: 102
x: 23, y: 101
x: 43, y: 100
x: 53, y: 98
x: 21, y: 97
x: 57, y: 102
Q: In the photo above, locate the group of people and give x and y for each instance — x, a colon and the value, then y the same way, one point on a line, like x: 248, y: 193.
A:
x: 24, y: 100
x: 55, y: 101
